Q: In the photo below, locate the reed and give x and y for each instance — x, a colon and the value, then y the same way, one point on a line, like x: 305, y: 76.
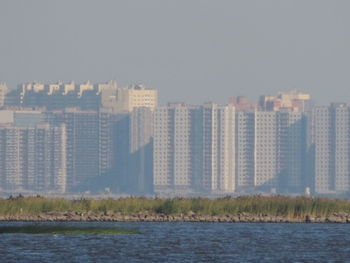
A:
x: 271, y: 205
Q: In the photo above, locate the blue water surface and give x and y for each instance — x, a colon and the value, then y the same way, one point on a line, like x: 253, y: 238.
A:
x: 185, y: 242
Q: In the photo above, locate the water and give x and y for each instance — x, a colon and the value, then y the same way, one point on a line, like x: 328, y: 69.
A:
x: 186, y: 242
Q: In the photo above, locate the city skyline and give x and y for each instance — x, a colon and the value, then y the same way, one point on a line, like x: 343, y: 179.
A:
x: 119, y: 140
x: 61, y: 87
x: 154, y: 131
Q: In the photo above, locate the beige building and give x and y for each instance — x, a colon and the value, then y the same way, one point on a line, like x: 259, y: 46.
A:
x: 135, y: 96
x: 293, y: 100
x: 68, y: 88
x: 88, y: 86
x: 126, y: 99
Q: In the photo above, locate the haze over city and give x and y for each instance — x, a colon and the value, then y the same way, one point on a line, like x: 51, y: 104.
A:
x: 191, y: 51
x: 156, y: 130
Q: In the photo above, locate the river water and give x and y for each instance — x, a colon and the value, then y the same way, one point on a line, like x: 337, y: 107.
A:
x: 185, y: 242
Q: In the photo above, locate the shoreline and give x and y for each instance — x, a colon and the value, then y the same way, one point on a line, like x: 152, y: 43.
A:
x: 189, y: 217
x: 250, y: 209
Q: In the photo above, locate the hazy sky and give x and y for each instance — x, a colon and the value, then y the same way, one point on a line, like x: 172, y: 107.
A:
x: 190, y: 50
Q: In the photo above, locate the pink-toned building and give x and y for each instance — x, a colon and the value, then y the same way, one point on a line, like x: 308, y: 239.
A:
x: 242, y: 104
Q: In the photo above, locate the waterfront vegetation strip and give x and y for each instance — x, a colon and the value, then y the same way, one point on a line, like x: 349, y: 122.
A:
x: 56, y: 230
x: 294, y: 207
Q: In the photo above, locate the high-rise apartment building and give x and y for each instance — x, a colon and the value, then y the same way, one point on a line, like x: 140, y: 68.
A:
x: 140, y: 160
x: 135, y: 96
x: 106, y: 136
x: 331, y: 142
x: 292, y: 152
x: 172, y: 149
x: 194, y: 148
x: 271, y: 151
x: 245, y: 151
x: 55, y: 95
x: 292, y: 100
x: 280, y: 150
x: 99, y: 148
x: 82, y: 128
x: 108, y: 93
x: 3, y: 91
x: 86, y: 96
x: 266, y: 149
x: 241, y: 103
x: 33, y: 158
x: 214, y: 127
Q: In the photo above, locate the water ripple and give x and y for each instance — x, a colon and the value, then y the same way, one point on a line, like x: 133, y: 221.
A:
x: 185, y: 242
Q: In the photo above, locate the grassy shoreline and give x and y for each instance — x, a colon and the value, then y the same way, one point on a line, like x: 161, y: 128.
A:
x: 278, y: 206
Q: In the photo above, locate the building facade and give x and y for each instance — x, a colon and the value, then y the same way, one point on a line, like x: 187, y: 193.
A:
x: 245, y: 151
x: 140, y: 159
x: 3, y: 91
x: 33, y: 158
x: 194, y: 149
x: 86, y: 96
x: 135, y: 96
x: 216, y: 148
x: 172, y: 149
x: 331, y: 142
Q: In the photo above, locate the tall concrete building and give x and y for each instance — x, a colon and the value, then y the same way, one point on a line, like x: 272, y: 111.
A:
x: 82, y: 144
x: 140, y: 160
x: 331, y: 142
x: 172, y: 149
x: 266, y: 149
x: 216, y: 149
x: 341, y: 116
x: 271, y: 151
x: 241, y: 103
x: 280, y: 150
x: 292, y: 152
x: 86, y: 96
x: 55, y: 95
x: 135, y: 96
x: 98, y: 148
x: 245, y: 150
x: 108, y: 93
x: 33, y: 158
x: 106, y: 136
x: 194, y: 148
x: 3, y: 91
x: 293, y: 100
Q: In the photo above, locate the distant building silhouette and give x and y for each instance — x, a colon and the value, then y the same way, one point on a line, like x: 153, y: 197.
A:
x: 86, y: 96
x: 69, y: 138
x: 3, y: 91
x: 291, y: 100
